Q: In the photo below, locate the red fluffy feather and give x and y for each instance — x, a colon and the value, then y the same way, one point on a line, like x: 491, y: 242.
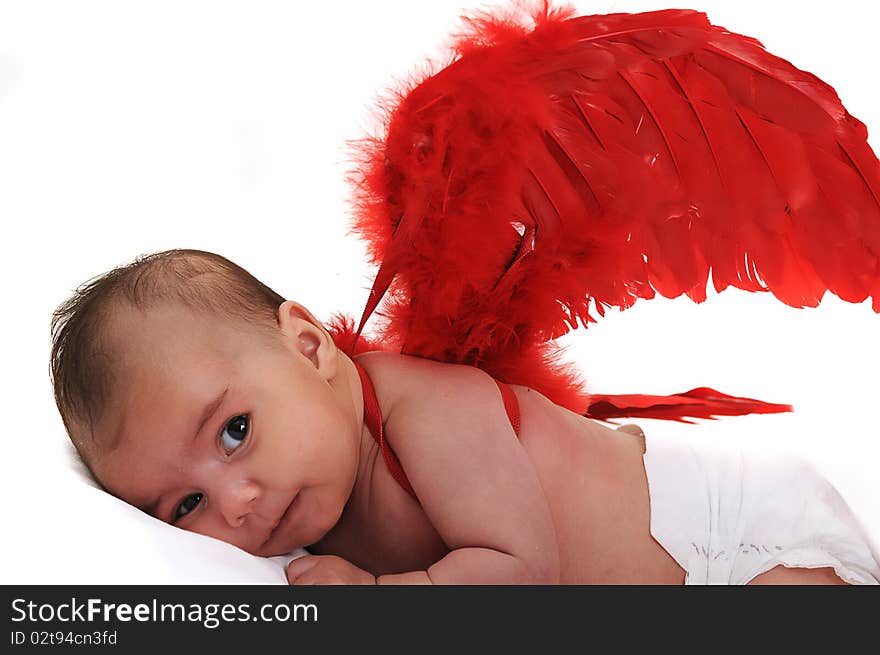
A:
x: 591, y: 161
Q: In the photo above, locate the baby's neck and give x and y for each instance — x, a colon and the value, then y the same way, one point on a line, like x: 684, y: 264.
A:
x: 349, y: 393
x: 349, y: 390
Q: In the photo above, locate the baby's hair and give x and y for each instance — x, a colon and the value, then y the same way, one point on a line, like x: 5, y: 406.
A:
x: 83, y: 365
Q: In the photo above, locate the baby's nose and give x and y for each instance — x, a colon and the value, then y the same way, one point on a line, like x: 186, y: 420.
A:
x: 236, y: 501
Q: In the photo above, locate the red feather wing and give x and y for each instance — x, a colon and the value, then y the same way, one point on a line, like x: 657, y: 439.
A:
x: 592, y: 161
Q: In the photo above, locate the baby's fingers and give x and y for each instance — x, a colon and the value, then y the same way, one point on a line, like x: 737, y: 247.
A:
x: 300, y: 566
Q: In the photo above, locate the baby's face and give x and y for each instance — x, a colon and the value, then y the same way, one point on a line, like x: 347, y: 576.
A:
x: 220, y: 433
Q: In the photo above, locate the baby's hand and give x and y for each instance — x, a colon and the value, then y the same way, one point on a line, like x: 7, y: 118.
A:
x: 326, y: 570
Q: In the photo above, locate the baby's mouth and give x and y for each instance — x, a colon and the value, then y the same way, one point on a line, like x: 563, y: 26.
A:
x: 283, y: 520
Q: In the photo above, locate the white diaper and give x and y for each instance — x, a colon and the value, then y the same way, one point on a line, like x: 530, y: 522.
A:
x: 729, y: 515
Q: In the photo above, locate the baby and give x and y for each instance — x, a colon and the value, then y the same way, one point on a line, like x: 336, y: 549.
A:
x: 199, y: 395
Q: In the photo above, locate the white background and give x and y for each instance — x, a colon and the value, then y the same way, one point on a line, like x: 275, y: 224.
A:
x: 131, y: 127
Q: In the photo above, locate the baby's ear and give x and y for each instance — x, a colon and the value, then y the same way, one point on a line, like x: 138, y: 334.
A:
x: 309, y: 337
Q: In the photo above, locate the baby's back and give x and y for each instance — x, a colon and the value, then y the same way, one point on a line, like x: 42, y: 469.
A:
x: 594, y: 479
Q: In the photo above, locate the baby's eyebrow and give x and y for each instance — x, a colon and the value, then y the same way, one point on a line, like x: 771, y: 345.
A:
x: 209, y: 411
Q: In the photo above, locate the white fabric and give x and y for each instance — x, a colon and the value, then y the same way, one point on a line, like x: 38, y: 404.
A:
x: 86, y: 536
x: 727, y: 515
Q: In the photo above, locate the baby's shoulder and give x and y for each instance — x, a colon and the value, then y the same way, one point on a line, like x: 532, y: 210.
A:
x: 399, y: 379
x: 385, y: 361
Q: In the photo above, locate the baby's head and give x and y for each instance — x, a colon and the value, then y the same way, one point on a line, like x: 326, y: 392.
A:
x: 196, y: 393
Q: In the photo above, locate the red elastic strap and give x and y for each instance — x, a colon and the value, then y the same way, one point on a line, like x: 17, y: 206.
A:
x: 373, y: 419
x: 511, y: 405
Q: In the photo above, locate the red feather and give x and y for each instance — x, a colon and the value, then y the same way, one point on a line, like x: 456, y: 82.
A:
x: 591, y: 161
x: 702, y: 402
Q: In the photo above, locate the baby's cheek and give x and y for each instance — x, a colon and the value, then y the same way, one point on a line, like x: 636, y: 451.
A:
x: 276, y: 463
x: 318, y: 448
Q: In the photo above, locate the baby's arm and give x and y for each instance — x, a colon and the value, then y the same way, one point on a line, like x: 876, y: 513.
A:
x: 474, y: 480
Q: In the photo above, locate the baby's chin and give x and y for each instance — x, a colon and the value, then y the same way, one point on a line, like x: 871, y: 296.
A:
x: 282, y: 545
x: 311, y: 522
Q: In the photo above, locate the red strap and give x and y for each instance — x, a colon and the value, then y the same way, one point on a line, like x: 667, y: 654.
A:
x: 511, y: 405
x: 373, y: 419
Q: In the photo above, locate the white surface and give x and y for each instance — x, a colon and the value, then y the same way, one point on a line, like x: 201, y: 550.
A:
x: 92, y: 537
x: 127, y: 128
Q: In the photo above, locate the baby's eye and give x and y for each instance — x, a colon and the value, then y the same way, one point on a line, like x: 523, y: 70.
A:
x: 234, y: 432
x: 187, y: 505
